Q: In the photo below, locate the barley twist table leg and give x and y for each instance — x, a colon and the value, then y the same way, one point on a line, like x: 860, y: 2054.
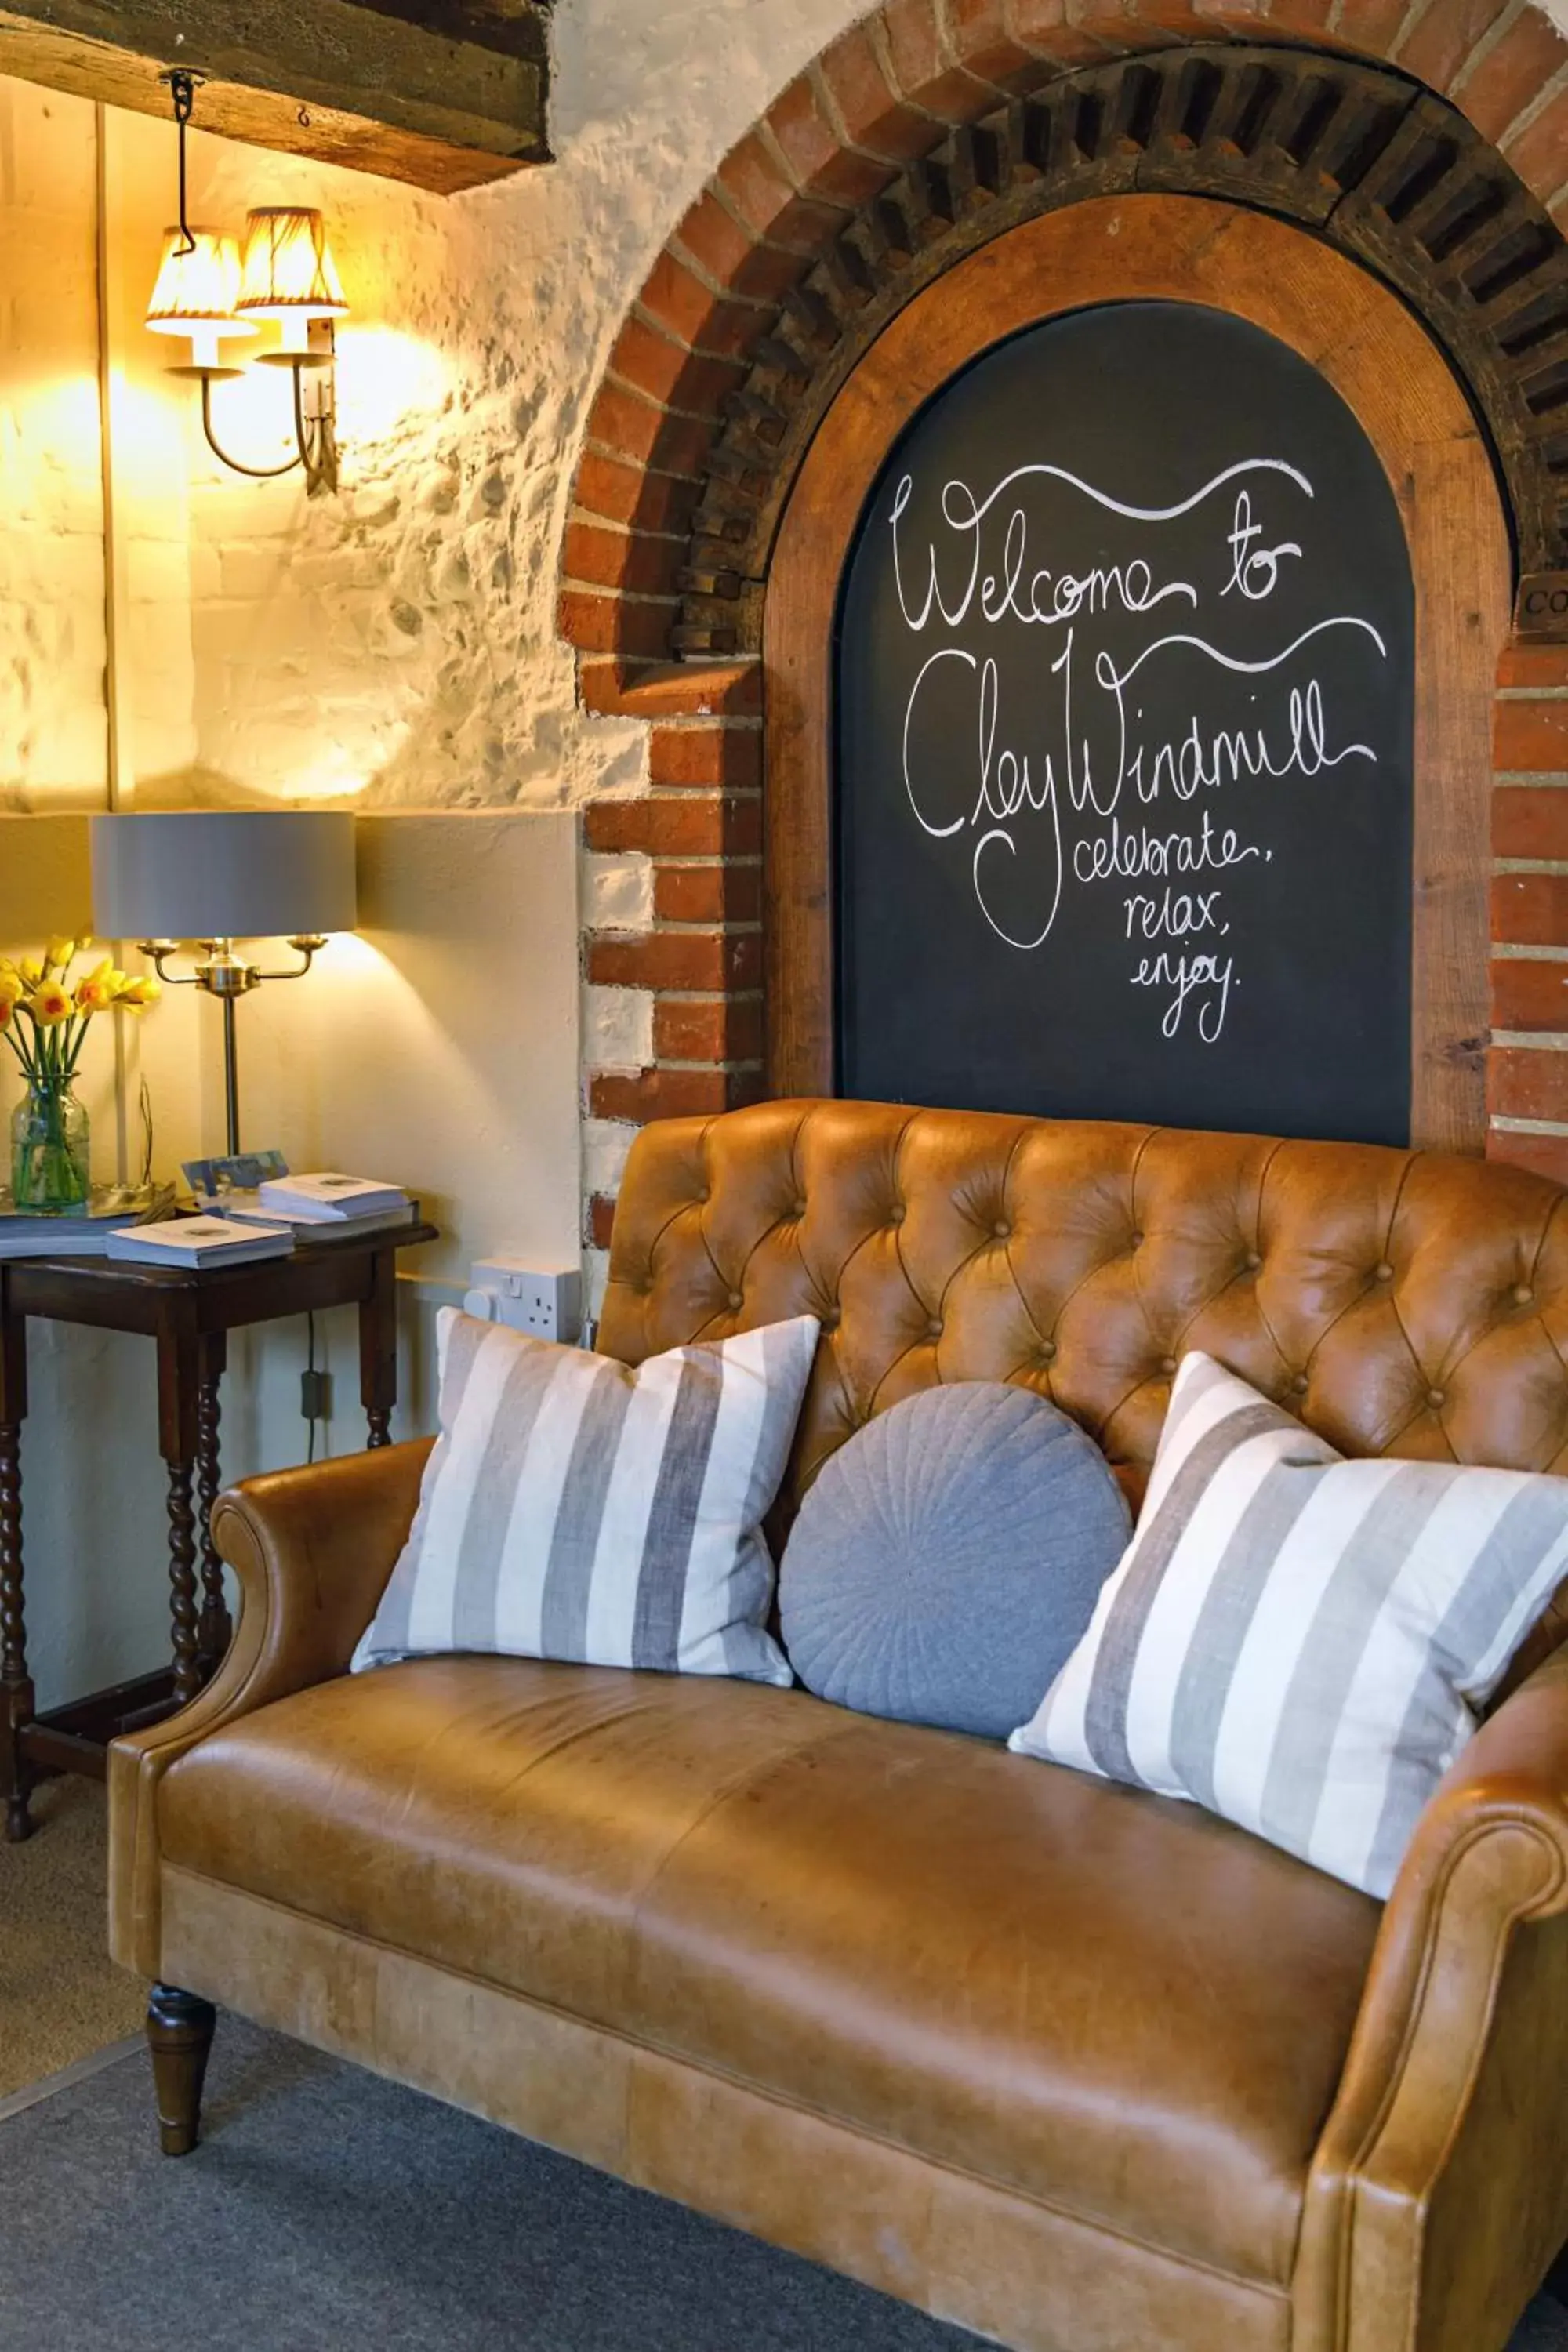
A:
x: 16, y: 1684
x: 215, y: 1629
x: 183, y: 1583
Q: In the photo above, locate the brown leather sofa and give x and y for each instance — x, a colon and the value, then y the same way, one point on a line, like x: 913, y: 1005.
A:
x: 1080, y: 2068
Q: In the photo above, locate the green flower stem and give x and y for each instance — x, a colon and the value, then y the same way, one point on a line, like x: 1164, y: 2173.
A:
x: 49, y: 1161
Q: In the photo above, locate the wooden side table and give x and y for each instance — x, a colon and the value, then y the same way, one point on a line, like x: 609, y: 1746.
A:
x: 189, y: 1316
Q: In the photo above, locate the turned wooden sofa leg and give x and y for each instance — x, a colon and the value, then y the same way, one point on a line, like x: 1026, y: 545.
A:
x: 179, y: 2035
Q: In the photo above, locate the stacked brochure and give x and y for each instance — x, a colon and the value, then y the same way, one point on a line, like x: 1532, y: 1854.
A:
x: 199, y: 1242
x: 314, y: 1225
x: 321, y: 1207
x: 330, y: 1199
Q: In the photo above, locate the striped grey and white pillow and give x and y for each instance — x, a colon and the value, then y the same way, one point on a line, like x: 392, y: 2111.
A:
x: 1298, y: 1641
x: 574, y: 1508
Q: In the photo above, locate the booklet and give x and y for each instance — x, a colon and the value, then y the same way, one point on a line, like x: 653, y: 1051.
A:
x: 316, y: 1224
x: 329, y: 1195
x: 199, y: 1242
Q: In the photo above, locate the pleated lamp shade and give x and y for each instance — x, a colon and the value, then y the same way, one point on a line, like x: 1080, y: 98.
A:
x: 286, y: 266
x: 195, y: 292
x: 209, y: 873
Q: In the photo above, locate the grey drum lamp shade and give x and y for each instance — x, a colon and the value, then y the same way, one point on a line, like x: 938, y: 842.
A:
x: 222, y: 874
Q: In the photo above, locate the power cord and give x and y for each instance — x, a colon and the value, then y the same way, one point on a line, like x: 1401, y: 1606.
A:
x: 309, y: 1375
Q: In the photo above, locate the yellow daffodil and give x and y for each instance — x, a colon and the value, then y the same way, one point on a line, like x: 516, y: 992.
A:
x: 106, y: 985
x: 40, y: 988
x: 49, y: 1003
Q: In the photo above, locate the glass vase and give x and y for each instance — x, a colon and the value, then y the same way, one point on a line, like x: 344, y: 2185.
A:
x: 49, y: 1150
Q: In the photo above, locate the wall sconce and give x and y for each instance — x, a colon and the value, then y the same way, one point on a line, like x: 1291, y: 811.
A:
x: 207, y: 290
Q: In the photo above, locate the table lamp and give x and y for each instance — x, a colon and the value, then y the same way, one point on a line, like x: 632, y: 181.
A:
x: 209, y: 877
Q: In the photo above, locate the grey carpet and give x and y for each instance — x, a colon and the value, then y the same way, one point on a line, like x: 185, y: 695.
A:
x: 328, y: 2211
x: 61, y: 1996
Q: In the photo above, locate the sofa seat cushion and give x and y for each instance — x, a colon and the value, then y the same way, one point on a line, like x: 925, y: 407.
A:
x: 1107, y: 1999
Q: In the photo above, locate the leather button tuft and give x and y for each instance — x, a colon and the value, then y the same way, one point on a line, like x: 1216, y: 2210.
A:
x: 934, y: 1329
x: 1522, y: 1294
x: 1135, y: 1241
x: 1383, y: 1273
x: 1167, y: 1365
x: 734, y: 1299
x: 1253, y: 1261
x: 1298, y: 1385
x: 1047, y: 1351
x: 830, y: 1319
x: 1434, y: 1398
x: 896, y: 1214
x: 1002, y: 1229
x: 798, y: 1209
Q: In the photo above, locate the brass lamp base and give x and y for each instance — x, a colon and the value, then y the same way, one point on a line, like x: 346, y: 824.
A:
x: 229, y: 977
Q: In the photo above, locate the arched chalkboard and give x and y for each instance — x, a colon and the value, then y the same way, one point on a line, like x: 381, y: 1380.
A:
x: 1124, y: 670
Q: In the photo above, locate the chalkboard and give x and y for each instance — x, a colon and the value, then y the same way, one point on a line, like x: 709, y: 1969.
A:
x: 1124, y: 696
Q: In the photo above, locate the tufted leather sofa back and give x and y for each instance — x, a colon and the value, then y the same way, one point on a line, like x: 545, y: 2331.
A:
x: 1399, y: 1302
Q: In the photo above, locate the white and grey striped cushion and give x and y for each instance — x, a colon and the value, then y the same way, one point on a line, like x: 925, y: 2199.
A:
x: 573, y: 1508
x: 1298, y: 1641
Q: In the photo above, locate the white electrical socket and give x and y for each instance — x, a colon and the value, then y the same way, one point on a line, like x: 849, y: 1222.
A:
x: 546, y: 1302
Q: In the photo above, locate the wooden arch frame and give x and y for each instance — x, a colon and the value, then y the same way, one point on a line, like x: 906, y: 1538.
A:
x: 1413, y: 411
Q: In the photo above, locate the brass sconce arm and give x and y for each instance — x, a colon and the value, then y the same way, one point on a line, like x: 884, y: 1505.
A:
x: 317, y: 442
x: 236, y: 464
x: 160, y: 951
x: 229, y: 977
x: 308, y: 946
x: 223, y: 973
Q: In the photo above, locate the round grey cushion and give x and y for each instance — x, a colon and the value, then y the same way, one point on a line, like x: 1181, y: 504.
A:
x: 949, y: 1557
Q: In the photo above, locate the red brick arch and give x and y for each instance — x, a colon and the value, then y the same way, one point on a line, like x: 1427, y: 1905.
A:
x: 886, y: 91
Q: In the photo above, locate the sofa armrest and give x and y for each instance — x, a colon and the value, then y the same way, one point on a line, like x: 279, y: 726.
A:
x: 1437, y: 2195
x: 312, y: 1549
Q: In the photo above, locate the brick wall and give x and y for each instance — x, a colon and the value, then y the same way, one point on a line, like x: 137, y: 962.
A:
x: 1527, y: 1070
x: 692, y: 959
x: 678, y: 994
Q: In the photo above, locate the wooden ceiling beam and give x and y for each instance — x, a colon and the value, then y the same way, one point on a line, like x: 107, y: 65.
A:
x: 445, y: 95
